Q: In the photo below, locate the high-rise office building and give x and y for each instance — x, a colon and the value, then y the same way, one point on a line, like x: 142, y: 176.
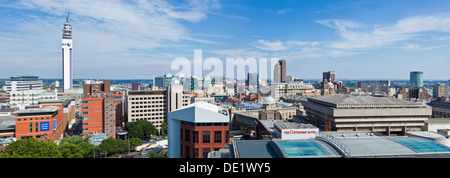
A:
x: 416, y: 79
x: 153, y: 105
x: 23, y: 83
x: 279, y: 72
x: 101, y: 108
x: 136, y: 86
x: 252, y: 82
x: 330, y: 76
x: 67, y: 55
x: 252, y: 79
x: 282, y: 63
x: 440, y: 90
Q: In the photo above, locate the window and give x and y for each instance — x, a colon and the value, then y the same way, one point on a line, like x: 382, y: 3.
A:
x: 187, y: 152
x: 195, y: 133
x: 227, y: 137
x: 195, y: 152
x: 181, y: 134
x: 187, y: 135
x: 217, y: 136
x: 206, y: 137
x: 205, y: 152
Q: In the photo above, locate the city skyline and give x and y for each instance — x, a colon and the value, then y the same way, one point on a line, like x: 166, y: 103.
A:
x: 140, y: 39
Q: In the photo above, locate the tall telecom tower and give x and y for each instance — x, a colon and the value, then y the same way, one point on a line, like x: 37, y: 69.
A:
x: 67, y: 55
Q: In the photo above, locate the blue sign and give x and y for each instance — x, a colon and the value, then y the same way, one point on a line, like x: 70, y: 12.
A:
x: 54, y: 124
x: 45, y: 126
x: 96, y: 140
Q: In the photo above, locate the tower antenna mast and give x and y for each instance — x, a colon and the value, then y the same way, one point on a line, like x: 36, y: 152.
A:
x: 67, y: 18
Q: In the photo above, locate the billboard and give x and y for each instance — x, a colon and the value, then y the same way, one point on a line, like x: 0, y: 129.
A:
x: 45, y: 126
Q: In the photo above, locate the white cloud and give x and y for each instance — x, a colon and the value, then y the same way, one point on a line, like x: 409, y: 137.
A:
x: 239, y: 53
x: 137, y: 24
x: 104, y: 32
x: 417, y: 47
x: 358, y: 36
x: 280, y: 45
x: 269, y: 46
x: 283, y: 11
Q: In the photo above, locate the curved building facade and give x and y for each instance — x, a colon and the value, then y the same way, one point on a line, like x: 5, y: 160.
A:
x: 416, y: 79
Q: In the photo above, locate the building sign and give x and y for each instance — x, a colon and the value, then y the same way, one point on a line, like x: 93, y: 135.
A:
x: 45, y: 126
x: 54, y: 124
x: 300, y: 132
x: 96, y: 140
x: 295, y: 134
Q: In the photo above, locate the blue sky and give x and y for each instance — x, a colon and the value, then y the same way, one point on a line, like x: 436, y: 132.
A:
x: 138, y: 39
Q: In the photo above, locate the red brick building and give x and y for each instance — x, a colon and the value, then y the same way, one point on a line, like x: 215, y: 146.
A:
x: 40, y: 123
x: 101, y: 109
x: 197, y: 140
x: 197, y: 129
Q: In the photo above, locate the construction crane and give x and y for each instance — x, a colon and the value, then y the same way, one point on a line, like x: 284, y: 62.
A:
x: 327, y: 122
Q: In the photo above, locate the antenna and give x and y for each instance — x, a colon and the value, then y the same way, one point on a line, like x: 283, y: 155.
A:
x: 67, y: 18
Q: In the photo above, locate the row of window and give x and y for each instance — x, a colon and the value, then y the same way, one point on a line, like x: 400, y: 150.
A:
x: 31, y: 119
x: 150, y: 110
x: 147, y: 98
x: 206, y: 136
x: 205, y: 124
x: 152, y: 119
x: 148, y: 106
x: 187, y: 152
x: 145, y: 102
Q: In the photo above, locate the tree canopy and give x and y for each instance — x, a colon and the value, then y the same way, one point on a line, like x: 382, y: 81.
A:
x: 32, y: 148
x: 140, y: 129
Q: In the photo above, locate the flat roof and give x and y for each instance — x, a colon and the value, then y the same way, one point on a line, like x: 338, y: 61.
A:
x: 293, y: 125
x: 39, y: 111
x: 344, y: 101
x: 146, y: 92
x: 357, y: 144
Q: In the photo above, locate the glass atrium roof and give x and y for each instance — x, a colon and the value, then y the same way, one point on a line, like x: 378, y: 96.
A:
x: 421, y: 145
x: 302, y: 148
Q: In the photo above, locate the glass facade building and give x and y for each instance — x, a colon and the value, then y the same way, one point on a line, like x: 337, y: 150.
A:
x: 416, y: 79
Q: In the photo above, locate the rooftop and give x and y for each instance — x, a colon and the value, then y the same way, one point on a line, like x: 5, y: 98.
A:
x: 349, y: 101
x: 200, y: 112
x: 293, y: 125
x: 37, y: 111
x: 341, y: 144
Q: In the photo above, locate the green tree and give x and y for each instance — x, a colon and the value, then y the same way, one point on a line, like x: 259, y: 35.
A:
x: 147, y: 128
x: 111, y: 146
x: 164, y: 128
x: 154, y: 155
x: 75, y: 146
x: 135, y: 142
x: 133, y: 130
x: 70, y: 150
x: 141, y: 129
x: 32, y: 148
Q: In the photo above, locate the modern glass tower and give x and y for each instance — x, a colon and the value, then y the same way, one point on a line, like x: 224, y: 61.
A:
x: 416, y: 79
x: 67, y: 55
